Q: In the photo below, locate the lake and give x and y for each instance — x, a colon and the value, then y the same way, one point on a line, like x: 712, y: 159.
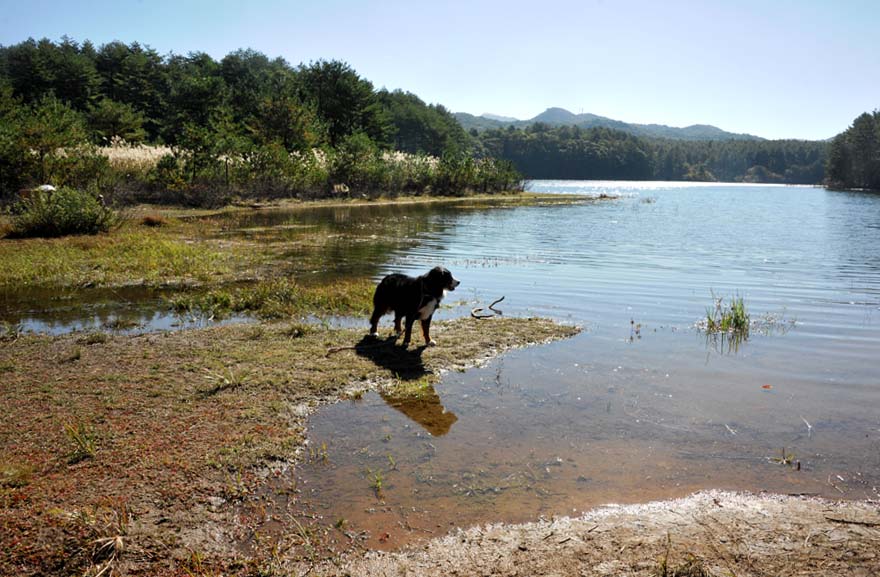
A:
x: 641, y: 405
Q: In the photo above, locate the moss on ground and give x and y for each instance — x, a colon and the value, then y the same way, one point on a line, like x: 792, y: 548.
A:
x: 179, y: 427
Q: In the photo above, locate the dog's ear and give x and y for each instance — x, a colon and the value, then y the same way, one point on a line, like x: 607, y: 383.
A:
x: 435, y: 277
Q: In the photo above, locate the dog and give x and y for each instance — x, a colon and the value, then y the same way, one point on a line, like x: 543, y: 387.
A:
x: 411, y: 298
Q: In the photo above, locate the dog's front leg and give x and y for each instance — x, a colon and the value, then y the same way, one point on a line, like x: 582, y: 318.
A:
x: 426, y: 332
x: 374, y: 322
x: 397, y: 328
x: 408, y: 333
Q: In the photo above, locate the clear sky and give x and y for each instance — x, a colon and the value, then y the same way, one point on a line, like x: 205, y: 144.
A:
x: 774, y: 68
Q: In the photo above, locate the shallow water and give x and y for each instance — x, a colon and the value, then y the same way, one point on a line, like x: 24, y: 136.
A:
x: 313, y: 245
x: 640, y: 405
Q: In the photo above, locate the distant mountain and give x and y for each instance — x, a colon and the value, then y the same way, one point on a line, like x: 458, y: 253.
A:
x: 480, y: 123
x: 498, y: 117
x: 563, y: 117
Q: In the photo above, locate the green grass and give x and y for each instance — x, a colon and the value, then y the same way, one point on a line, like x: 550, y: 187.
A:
x: 279, y: 298
x: 186, y: 247
x: 732, y: 318
x: 125, y: 257
x: 84, y: 441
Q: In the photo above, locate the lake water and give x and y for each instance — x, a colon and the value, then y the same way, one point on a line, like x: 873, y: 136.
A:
x: 641, y: 405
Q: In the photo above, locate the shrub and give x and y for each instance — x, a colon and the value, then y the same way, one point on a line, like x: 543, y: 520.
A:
x: 61, y: 212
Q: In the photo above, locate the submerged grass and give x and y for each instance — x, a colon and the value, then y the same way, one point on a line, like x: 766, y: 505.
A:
x: 278, y: 298
x: 178, y: 415
x: 176, y: 246
x: 127, y: 256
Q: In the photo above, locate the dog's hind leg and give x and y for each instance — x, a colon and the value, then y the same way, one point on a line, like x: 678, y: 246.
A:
x: 426, y: 332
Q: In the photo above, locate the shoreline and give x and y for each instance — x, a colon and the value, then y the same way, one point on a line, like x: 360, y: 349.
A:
x: 158, y: 444
x: 707, y: 533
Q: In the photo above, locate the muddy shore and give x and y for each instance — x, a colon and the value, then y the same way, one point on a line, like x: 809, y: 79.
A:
x: 708, y: 533
x: 146, y: 454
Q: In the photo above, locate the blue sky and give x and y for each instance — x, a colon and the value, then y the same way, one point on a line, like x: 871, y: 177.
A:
x: 775, y: 68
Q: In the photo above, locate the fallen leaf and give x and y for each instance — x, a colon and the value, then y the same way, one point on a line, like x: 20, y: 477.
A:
x: 767, y: 387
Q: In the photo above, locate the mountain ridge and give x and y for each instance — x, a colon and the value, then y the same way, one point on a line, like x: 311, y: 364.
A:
x: 556, y: 116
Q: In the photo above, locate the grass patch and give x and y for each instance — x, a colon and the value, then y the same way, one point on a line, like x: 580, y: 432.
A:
x: 93, y: 339
x: 194, y: 247
x: 690, y: 567
x: 84, y: 441
x: 278, y: 298
x: 10, y: 331
x: 726, y: 326
x: 732, y: 318
x: 412, y: 389
x: 128, y: 256
x: 13, y: 475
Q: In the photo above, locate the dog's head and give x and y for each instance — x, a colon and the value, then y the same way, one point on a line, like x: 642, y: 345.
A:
x: 440, y: 279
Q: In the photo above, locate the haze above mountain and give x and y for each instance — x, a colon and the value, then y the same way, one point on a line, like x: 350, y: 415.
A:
x: 563, y: 117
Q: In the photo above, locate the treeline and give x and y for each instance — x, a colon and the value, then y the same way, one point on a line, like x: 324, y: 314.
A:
x: 244, y: 122
x: 854, y: 154
x: 542, y: 151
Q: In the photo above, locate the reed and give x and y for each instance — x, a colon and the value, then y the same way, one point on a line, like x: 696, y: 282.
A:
x: 733, y: 318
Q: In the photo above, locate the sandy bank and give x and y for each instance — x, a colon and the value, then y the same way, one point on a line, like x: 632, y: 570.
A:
x: 708, y: 533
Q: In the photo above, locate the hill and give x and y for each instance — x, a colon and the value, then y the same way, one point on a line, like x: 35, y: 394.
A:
x: 562, y: 117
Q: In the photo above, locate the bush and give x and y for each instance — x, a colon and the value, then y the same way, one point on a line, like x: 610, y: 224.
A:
x: 61, y: 212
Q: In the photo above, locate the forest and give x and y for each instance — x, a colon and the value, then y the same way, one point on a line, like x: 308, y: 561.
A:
x: 854, y: 154
x: 543, y: 151
x: 80, y: 115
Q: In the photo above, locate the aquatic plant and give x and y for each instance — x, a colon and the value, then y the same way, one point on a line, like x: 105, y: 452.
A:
x: 731, y: 319
x: 376, y: 482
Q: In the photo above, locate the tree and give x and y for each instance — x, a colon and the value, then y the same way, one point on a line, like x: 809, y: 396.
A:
x: 344, y: 101
x: 50, y: 126
x: 420, y: 128
x: 196, y: 90
x: 109, y: 119
x: 286, y: 121
x: 15, y: 159
x: 854, y: 155
x: 135, y: 75
x: 36, y: 69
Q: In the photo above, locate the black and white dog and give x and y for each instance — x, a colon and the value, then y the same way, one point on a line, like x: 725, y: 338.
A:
x: 411, y: 298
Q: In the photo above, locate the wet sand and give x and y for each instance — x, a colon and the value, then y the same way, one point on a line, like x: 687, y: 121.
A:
x: 708, y: 533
